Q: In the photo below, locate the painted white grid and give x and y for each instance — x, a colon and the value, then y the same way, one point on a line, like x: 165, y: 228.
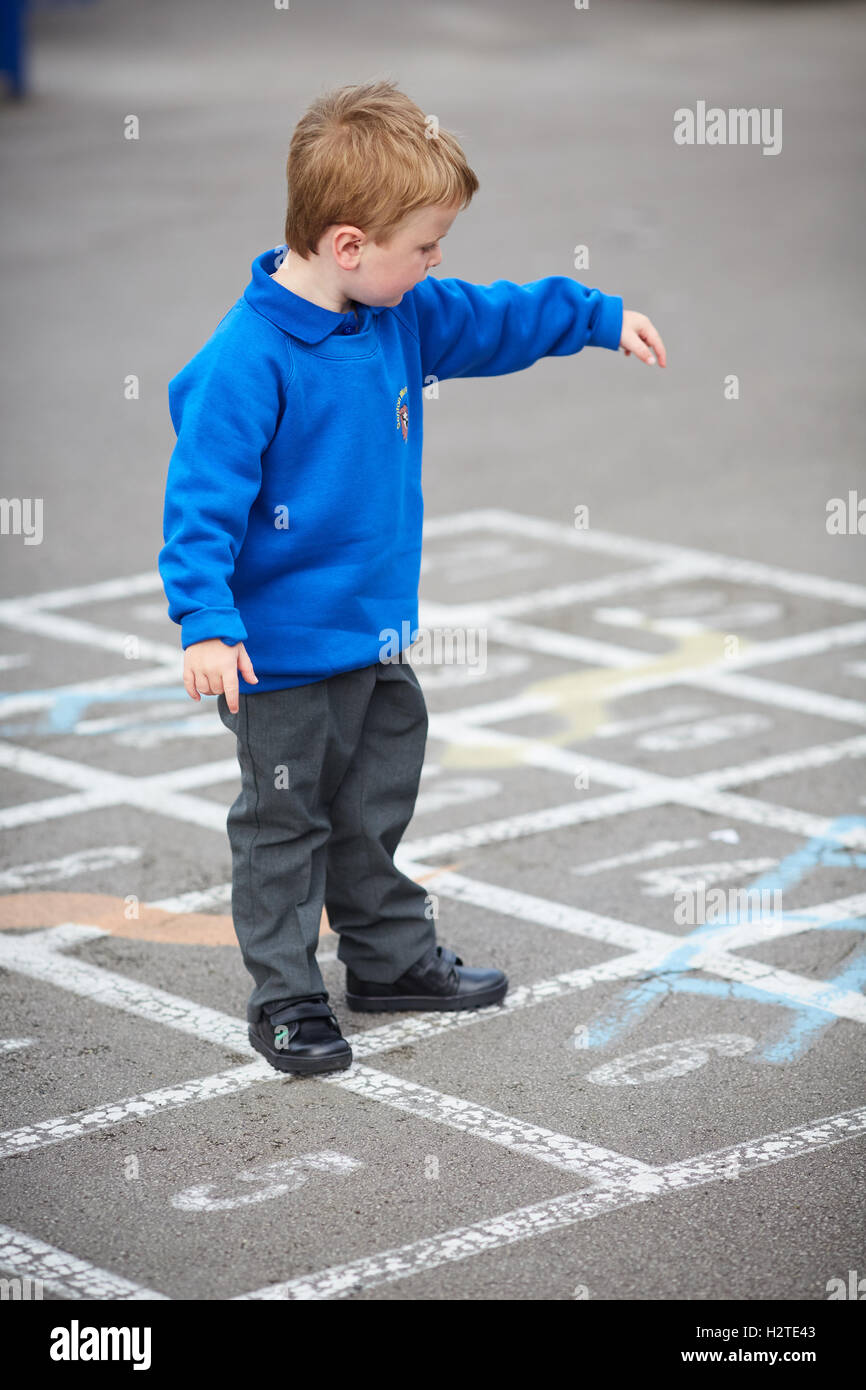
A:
x: 615, y: 1178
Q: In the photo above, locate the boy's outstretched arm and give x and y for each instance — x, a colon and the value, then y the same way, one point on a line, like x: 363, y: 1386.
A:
x: 466, y: 329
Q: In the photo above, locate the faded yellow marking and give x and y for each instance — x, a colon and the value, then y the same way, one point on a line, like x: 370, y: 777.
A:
x: 581, y: 698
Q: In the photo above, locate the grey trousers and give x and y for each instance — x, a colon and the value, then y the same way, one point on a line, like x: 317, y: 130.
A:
x: 329, y: 773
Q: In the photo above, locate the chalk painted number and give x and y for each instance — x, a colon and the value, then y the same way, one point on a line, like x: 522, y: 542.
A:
x: 670, y: 1059
x: 269, y: 1181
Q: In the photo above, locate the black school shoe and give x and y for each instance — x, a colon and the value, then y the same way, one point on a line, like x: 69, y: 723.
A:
x: 303, y: 1037
x: 433, y: 982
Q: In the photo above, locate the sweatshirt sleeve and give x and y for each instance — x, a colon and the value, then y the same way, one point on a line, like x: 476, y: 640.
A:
x: 225, y: 406
x: 487, y: 330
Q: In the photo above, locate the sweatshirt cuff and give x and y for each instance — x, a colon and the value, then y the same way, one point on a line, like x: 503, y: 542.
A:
x: 607, y: 329
x: 209, y: 623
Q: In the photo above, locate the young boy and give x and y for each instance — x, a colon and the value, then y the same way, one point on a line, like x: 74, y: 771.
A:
x: 292, y: 528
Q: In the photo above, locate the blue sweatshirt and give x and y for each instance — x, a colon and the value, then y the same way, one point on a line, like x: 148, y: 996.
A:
x: 293, y: 506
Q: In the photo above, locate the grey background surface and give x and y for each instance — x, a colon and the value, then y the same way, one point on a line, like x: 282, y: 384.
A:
x: 121, y: 257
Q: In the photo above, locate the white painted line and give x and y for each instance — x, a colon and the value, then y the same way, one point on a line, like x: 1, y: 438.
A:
x: 152, y: 714
x: 734, y: 938
x: 789, y: 697
x: 730, y: 682
x: 703, y: 733
x: 497, y: 667
x: 649, y: 789
x: 680, y: 878
x: 457, y: 523
x: 61, y: 629
x: 784, y: 986
x: 706, y: 564
x: 766, y: 813
x: 781, y: 985
x: 515, y: 827
x: 781, y: 764
x: 49, y: 768
x: 657, y: 850
x: 36, y: 954
x: 723, y: 677
x: 658, y: 719
x: 545, y: 912
x: 102, y: 591
x: 15, y: 1044
x: 204, y: 1088
x: 197, y: 899
x: 558, y: 1213
x: 570, y: 646
x: 182, y: 728
x: 56, y: 808
x: 13, y: 705
x: 83, y: 861
x: 813, y: 643
x: 414, y: 1028
x: 495, y: 711
x: 648, y: 943
x: 646, y: 948
x: 195, y: 775
x: 63, y: 1274
x: 559, y: 596
x: 558, y: 1150
x: 455, y: 791
x: 102, y: 788
x: 157, y: 793
x: 452, y: 728
x: 725, y: 804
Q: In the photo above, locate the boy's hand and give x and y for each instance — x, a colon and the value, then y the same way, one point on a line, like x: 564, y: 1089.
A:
x: 211, y: 668
x: 639, y: 336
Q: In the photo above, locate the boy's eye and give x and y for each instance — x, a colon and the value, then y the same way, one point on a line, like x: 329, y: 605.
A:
x: 430, y: 247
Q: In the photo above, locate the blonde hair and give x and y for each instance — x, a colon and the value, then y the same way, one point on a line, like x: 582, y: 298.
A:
x: 362, y: 155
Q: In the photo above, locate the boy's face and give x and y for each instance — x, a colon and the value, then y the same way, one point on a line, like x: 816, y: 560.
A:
x: 381, y: 275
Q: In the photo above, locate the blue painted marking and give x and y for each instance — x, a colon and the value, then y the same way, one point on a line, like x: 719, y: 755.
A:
x: 808, y: 1024
x: 670, y: 975
x: 64, y: 712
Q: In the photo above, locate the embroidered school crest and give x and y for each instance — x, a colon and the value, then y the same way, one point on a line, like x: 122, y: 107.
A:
x: 403, y: 413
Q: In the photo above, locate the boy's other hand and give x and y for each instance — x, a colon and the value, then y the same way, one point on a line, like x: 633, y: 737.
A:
x: 640, y: 336
x: 211, y: 668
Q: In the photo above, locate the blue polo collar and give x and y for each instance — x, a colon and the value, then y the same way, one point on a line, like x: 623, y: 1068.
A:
x: 295, y: 315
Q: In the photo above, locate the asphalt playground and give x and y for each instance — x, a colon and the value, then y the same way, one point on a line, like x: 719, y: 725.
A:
x: 657, y: 719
